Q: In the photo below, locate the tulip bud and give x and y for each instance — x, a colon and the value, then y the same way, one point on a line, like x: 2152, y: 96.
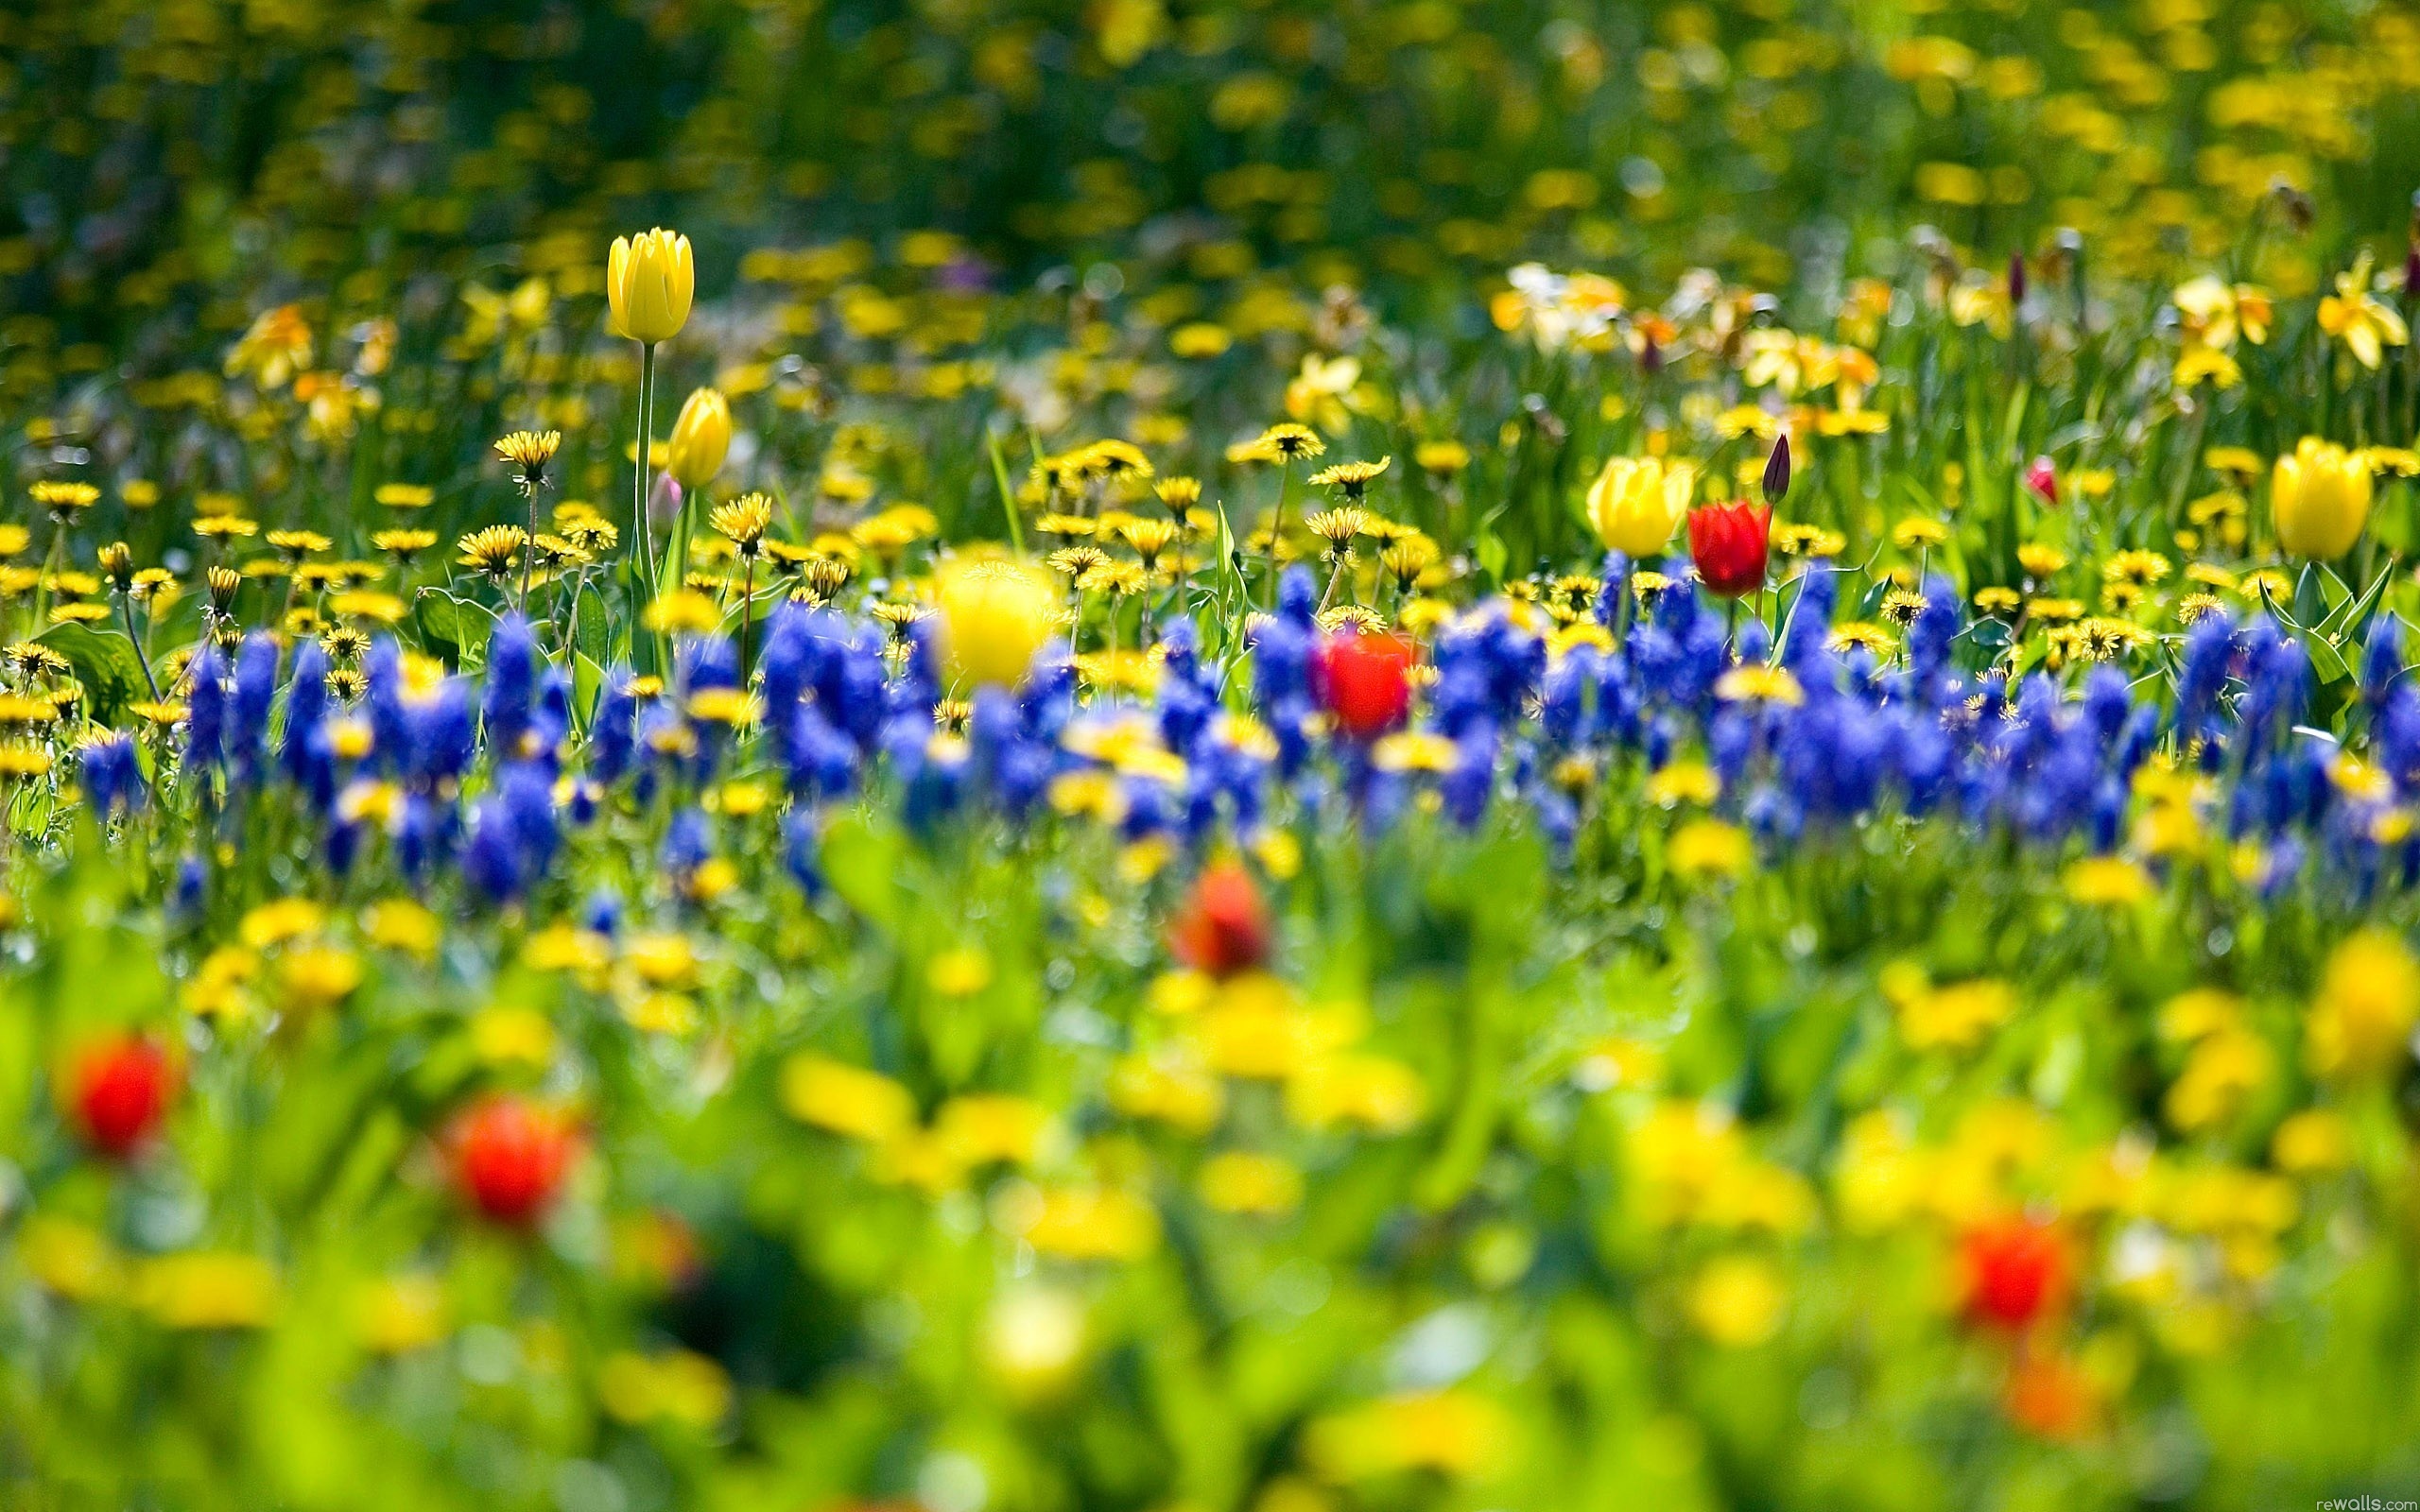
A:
x: 2016, y: 281
x: 2320, y: 498
x: 1636, y: 503
x: 1729, y: 544
x: 650, y: 281
x: 118, y: 1090
x: 1777, y: 470
x: 2041, y: 479
x: 701, y: 439
x: 1223, y: 927
x: 2014, y: 1272
x: 1364, y: 682
x: 510, y: 1159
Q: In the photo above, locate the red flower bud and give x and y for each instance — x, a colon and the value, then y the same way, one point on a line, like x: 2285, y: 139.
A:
x: 2015, y: 1272
x: 2042, y: 479
x: 509, y: 1158
x: 118, y: 1090
x: 1728, y: 543
x: 2048, y: 1397
x: 1223, y: 928
x: 1365, y: 683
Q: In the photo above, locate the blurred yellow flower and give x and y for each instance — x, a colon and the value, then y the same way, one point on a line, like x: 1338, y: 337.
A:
x: 400, y: 1314
x: 1241, y: 1182
x: 863, y: 1105
x: 2365, y: 323
x: 2107, y: 880
x: 676, y: 1386
x: 1738, y: 1300
x: 2361, y: 1019
x: 208, y: 1289
x: 1705, y: 848
x: 1454, y: 1432
x: 995, y: 617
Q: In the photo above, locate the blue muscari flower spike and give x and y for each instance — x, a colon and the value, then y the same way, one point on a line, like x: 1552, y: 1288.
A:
x: 602, y: 913
x: 1298, y: 595
x: 307, y: 754
x: 382, y: 670
x: 491, y: 862
x: 823, y: 762
x: 2210, y: 645
x: 1755, y: 641
x: 550, y: 725
x: 801, y: 851
x: 206, y: 711
x: 529, y: 804
x: 191, y: 892
x: 248, y: 710
x: 1613, y: 586
x: 2382, y: 657
x: 687, y: 843
x: 1931, y: 637
x: 2107, y: 702
x: 511, y: 678
x: 113, y: 780
x: 706, y: 661
x: 612, y: 738
x: 783, y: 672
x: 440, y: 738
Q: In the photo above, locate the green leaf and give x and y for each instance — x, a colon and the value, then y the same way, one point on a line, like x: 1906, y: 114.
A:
x: 589, y: 633
x: 105, y: 663
x: 861, y: 861
x: 1490, y: 550
x: 2327, y: 661
x: 459, y: 625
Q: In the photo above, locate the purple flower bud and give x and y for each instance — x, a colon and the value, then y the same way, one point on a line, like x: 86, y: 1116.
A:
x: 1777, y: 470
x: 2017, y: 279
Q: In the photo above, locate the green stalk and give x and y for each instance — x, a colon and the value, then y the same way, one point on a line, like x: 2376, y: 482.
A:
x: 642, y: 552
x: 1277, y: 527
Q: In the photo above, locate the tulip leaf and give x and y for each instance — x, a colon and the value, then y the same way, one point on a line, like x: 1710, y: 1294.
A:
x: 105, y: 663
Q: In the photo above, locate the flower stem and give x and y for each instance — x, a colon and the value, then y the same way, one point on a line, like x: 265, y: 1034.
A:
x: 1277, y: 527
x: 142, y: 658
x: 642, y: 559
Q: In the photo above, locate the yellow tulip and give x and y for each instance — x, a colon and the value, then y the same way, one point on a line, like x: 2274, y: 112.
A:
x: 1636, y: 503
x: 994, y: 616
x: 701, y: 439
x: 648, y: 283
x: 2321, y: 498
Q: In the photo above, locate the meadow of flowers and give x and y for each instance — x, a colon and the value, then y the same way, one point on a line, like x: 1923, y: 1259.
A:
x: 1212, y: 756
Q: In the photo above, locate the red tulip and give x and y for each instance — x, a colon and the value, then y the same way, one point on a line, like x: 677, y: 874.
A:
x: 2015, y: 1272
x: 2042, y: 479
x: 1223, y: 927
x: 509, y: 1158
x: 1727, y: 541
x: 118, y: 1090
x: 1365, y: 683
